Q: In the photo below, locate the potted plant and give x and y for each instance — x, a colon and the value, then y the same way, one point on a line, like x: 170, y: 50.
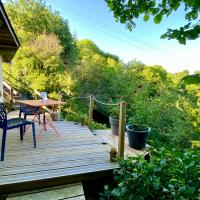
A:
x: 113, y: 154
x: 137, y: 135
x: 114, y: 120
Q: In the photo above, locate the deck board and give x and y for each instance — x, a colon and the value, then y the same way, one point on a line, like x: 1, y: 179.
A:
x: 72, y: 191
x: 75, y: 155
x: 105, y: 136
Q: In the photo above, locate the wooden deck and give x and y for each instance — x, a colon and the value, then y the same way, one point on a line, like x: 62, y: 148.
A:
x: 70, y: 192
x: 73, y: 156
x: 107, y: 138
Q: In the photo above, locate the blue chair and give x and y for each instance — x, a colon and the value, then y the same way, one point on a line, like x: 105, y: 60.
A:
x: 11, y: 124
x: 27, y: 110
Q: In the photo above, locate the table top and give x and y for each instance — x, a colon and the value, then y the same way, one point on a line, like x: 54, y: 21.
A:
x: 40, y: 103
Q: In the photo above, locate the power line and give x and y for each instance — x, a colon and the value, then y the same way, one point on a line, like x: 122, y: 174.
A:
x: 108, y: 27
x: 149, y: 49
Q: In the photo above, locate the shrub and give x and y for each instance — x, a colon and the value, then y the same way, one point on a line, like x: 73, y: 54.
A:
x: 80, y: 117
x: 169, y: 175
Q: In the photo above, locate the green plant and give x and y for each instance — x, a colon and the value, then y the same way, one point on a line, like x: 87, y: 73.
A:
x: 138, y: 127
x: 8, y: 105
x: 114, y: 111
x: 169, y: 175
x: 98, y: 126
x: 126, y: 12
x: 80, y: 117
x: 113, y: 149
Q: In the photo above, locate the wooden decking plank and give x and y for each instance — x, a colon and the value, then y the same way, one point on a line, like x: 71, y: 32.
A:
x: 17, y: 158
x: 51, y: 174
x: 53, y: 159
x: 29, y: 150
x: 42, y: 189
x: 76, y: 198
x: 53, y: 166
x: 110, y: 139
x: 75, y: 155
x: 52, y: 193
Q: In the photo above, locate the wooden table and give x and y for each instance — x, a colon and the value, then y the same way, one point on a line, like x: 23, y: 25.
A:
x: 41, y: 103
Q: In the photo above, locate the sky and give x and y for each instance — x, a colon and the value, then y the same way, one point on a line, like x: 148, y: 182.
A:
x: 91, y: 19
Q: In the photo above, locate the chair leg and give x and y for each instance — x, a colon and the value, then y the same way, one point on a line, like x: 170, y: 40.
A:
x: 24, y: 126
x: 20, y: 114
x: 21, y: 133
x: 34, y: 138
x: 3, y: 144
x: 39, y: 119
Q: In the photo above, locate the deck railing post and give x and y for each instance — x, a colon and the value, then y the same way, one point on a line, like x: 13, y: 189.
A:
x: 91, y: 107
x: 11, y: 95
x: 59, y: 106
x: 122, y: 121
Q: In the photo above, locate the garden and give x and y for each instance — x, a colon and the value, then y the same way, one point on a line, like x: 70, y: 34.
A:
x: 51, y: 59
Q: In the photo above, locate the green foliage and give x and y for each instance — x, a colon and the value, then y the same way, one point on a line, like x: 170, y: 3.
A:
x: 155, y: 98
x: 78, y: 116
x: 138, y: 127
x: 127, y: 11
x: 113, y: 150
x: 169, y: 175
x: 37, y: 66
x: 191, y: 79
x: 97, y: 73
x: 114, y: 111
x: 33, y: 17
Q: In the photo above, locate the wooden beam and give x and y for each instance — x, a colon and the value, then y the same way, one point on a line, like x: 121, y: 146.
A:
x: 122, y: 121
x: 59, y: 106
x: 91, y: 108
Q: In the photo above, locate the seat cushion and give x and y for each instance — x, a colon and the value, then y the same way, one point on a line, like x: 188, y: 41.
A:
x: 15, y: 122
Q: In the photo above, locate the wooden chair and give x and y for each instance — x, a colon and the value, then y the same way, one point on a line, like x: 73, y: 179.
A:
x: 6, y: 124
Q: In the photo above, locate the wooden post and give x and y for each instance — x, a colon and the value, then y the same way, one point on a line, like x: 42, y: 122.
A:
x: 59, y: 99
x: 91, y: 111
x: 11, y: 95
x: 59, y: 106
x: 1, y: 80
x: 122, y: 121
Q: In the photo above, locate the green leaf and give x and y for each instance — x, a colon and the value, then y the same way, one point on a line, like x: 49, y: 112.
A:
x: 191, y: 79
x: 163, y: 36
x: 158, y: 18
x: 123, y: 19
x: 146, y: 17
x: 182, y: 40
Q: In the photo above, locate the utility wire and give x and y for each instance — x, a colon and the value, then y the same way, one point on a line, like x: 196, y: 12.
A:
x: 110, y: 34
x: 95, y: 20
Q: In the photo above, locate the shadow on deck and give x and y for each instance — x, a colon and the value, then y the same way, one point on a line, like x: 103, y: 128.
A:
x: 73, y: 156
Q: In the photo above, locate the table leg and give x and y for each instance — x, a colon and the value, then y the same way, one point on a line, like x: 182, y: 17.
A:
x: 44, y: 121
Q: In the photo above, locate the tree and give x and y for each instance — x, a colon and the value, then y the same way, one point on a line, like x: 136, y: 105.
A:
x: 34, y: 17
x: 126, y: 11
x: 37, y: 66
x: 192, y: 79
x: 97, y: 73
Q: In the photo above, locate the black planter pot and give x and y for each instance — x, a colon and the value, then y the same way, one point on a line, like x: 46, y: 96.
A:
x: 114, y: 123
x: 137, y: 138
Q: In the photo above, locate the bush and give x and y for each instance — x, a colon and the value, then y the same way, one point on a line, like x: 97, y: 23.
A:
x: 170, y: 175
x: 80, y: 117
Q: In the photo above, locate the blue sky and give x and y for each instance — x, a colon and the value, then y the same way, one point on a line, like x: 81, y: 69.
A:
x: 92, y: 19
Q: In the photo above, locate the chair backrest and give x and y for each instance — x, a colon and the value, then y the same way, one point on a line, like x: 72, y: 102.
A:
x: 3, y: 116
x: 25, y: 109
